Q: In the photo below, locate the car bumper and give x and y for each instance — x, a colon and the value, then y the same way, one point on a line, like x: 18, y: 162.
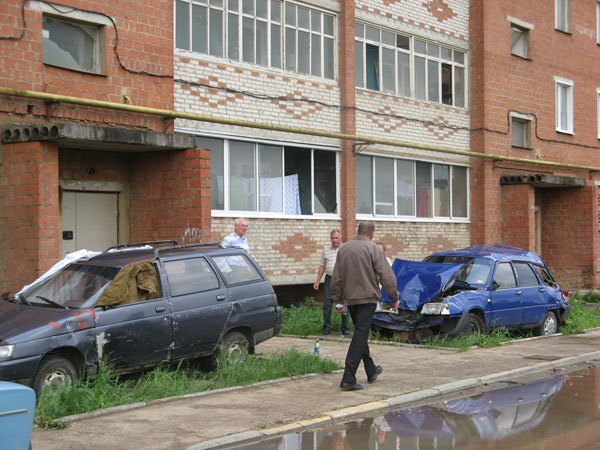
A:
x: 19, y: 370
x: 405, y: 321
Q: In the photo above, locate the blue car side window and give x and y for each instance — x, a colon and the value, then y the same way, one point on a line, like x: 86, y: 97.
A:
x: 525, y: 275
x: 504, y: 277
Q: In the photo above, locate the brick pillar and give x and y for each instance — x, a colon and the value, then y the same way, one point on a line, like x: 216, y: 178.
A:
x: 29, y: 212
x: 170, y: 196
x: 518, y: 218
x: 347, y: 117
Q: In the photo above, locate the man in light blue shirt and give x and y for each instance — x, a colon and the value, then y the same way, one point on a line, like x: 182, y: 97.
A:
x: 237, y: 239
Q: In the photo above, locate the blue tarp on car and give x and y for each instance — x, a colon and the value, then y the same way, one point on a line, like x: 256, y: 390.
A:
x: 421, y: 282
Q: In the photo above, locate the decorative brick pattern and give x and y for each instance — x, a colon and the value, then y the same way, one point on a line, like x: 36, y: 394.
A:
x: 300, y: 108
x: 386, y: 120
x: 441, y: 128
x: 439, y: 9
x: 436, y: 19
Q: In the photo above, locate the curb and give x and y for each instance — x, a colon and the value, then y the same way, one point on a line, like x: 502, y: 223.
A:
x: 404, y: 399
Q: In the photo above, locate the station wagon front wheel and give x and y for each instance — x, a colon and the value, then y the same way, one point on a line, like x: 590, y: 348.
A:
x: 548, y: 326
x: 236, y: 346
x: 56, y: 371
x: 476, y: 324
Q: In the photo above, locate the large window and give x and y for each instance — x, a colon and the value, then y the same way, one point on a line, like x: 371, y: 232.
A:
x: 564, y: 105
x: 409, y: 67
x: 72, y: 45
x: 270, y: 33
x: 397, y: 187
x: 264, y: 178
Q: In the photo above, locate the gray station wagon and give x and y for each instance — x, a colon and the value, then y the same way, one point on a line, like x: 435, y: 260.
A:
x: 136, y: 306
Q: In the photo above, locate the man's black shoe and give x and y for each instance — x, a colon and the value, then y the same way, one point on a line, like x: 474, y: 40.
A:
x: 346, y: 333
x: 350, y: 387
x: 326, y: 332
x: 373, y: 378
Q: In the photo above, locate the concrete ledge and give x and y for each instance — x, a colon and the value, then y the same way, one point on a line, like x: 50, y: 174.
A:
x: 227, y: 440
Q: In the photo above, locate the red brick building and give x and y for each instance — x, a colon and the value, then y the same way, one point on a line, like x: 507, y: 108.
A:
x: 71, y: 175
x: 421, y: 83
x: 535, y: 93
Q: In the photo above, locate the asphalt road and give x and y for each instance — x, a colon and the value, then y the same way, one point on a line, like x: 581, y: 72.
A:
x: 411, y: 374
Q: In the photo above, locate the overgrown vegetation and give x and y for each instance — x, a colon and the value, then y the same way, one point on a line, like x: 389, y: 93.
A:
x: 582, y: 316
x: 109, y: 389
x: 307, y: 319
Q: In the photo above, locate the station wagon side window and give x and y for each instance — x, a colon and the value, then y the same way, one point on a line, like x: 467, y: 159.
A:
x: 525, y: 274
x: 187, y: 276
x: 237, y: 269
x: 504, y: 277
x: 544, y: 276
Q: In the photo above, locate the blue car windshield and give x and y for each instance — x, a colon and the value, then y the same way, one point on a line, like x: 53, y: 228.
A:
x: 76, y: 286
x: 476, y: 271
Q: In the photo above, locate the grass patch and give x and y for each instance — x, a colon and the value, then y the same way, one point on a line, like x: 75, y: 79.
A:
x: 307, y: 319
x: 109, y: 389
x: 494, y: 338
x: 582, y: 317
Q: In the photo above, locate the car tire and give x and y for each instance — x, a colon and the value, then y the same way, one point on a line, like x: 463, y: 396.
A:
x: 236, y: 346
x: 54, y: 370
x: 548, y: 326
x: 476, y: 324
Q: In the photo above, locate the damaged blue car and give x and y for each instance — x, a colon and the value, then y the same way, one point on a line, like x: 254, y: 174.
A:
x: 474, y: 289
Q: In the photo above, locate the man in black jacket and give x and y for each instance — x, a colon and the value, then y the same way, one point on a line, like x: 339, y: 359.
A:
x: 360, y: 268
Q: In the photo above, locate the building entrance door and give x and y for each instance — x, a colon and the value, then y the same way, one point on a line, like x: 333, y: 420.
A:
x: 89, y: 220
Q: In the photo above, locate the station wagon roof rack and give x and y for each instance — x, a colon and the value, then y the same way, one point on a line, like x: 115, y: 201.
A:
x: 172, y: 242
x: 197, y: 244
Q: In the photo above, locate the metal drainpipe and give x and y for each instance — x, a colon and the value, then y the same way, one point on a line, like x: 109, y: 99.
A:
x: 263, y: 126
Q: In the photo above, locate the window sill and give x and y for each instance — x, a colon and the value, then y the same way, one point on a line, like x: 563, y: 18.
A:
x: 568, y: 33
x: 520, y: 147
x: 525, y: 58
x: 570, y: 133
x: 85, y: 72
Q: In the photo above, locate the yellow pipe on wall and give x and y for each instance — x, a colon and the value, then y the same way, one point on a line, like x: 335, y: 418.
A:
x: 287, y: 129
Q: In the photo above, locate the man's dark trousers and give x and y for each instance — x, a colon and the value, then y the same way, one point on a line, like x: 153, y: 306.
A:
x: 327, y: 307
x: 362, y: 316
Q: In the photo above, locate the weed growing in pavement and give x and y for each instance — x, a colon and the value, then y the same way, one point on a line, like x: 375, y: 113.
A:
x: 307, y: 319
x: 109, y: 389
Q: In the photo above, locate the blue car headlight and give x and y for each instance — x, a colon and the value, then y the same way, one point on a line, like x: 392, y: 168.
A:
x: 435, y: 308
x: 6, y: 352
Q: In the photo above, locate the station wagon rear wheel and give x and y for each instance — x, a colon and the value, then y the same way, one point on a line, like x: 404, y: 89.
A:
x: 236, y: 345
x: 548, y: 326
x: 56, y: 371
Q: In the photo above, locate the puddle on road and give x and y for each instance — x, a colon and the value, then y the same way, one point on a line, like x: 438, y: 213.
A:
x: 560, y: 412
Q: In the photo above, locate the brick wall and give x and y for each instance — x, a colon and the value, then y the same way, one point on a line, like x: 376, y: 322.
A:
x: 518, y: 226
x: 29, y: 214
x: 170, y: 196
x: 144, y: 46
x: 570, y: 231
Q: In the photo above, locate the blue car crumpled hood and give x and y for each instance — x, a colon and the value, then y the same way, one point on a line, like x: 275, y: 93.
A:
x: 421, y: 282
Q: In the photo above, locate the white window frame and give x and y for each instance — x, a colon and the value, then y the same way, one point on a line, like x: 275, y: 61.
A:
x: 362, y: 40
x: 415, y: 217
x: 598, y: 22
x: 326, y: 67
x: 560, y: 83
x: 525, y: 28
x: 562, y: 23
x: 228, y: 212
x: 89, y: 23
x: 524, y: 118
x: 598, y: 111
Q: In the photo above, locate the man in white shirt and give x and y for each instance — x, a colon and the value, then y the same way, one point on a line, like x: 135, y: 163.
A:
x: 237, y: 238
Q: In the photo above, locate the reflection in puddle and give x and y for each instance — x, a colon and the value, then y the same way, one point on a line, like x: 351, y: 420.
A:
x: 560, y: 412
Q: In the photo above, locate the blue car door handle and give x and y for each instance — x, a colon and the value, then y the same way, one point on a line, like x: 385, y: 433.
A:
x: 220, y: 298
x: 519, y: 292
x: 542, y: 289
x: 160, y: 309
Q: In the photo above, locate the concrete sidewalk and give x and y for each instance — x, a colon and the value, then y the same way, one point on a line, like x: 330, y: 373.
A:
x: 411, y: 374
